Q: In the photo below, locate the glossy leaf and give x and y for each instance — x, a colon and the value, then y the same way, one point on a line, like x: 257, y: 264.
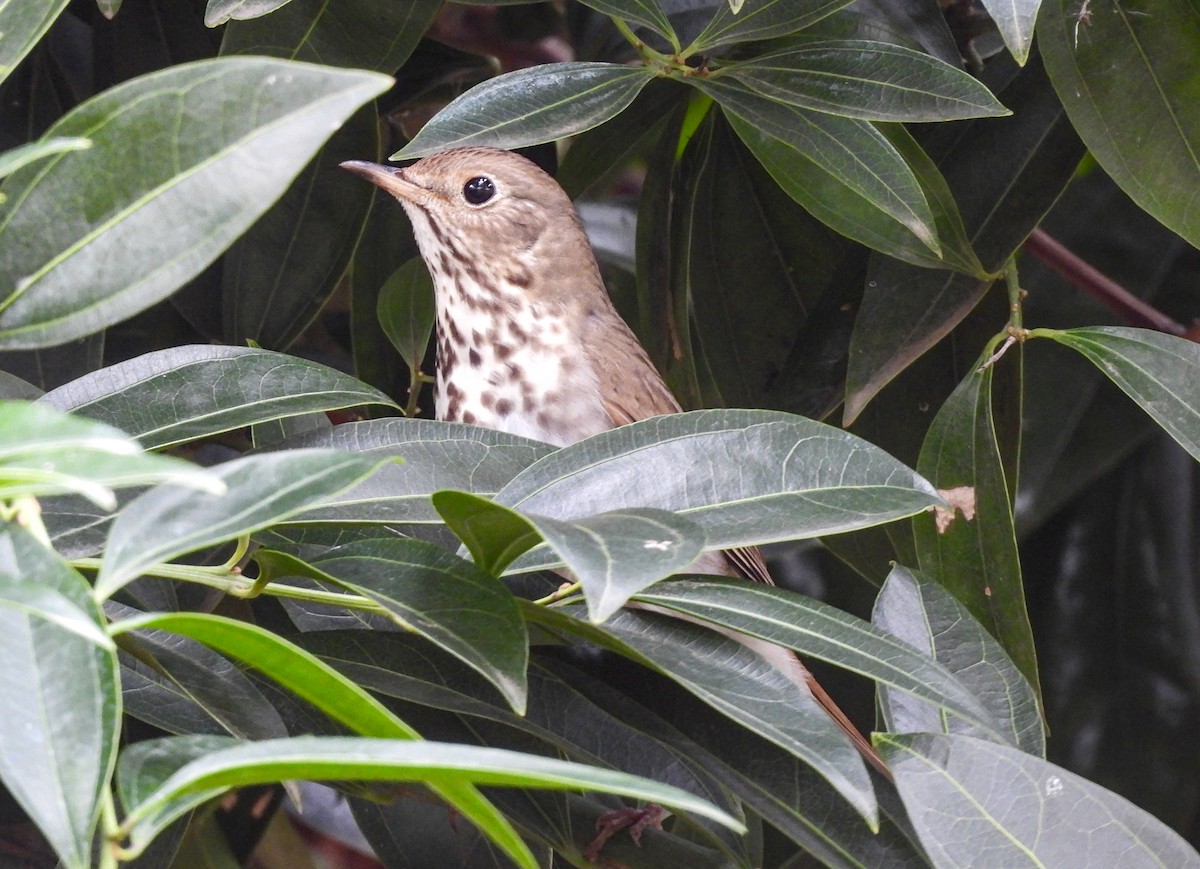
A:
x: 646, y: 12
x: 445, y: 599
x: 186, y: 393
x: 529, y: 106
x: 821, y: 631
x: 43, y: 452
x: 199, y: 185
x: 734, y: 680
x: 60, y: 725
x: 872, y: 81
x: 1124, y: 61
x: 853, y: 152
x: 1015, y: 20
x: 261, y: 490
x: 40, y: 602
x: 220, y: 11
x: 23, y: 25
x: 760, y: 19
x: 766, y: 476
x: 976, y: 559
x: 1157, y: 371
x: 19, y: 157
x: 973, y: 800
x: 928, y: 618
x: 437, y: 455
x: 314, y: 757
x: 406, y: 311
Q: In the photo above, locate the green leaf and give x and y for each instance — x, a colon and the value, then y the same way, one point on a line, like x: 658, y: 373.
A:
x: 733, y: 679
x: 244, y: 127
x: 791, y: 478
x: 44, y: 452
x: 647, y: 12
x: 39, y: 602
x: 406, y: 311
x: 760, y: 19
x: 968, y: 798
x: 872, y: 81
x: 1015, y: 19
x: 438, y: 455
x: 494, y: 535
x: 220, y: 11
x: 927, y: 617
x: 23, y: 25
x: 1160, y: 372
x: 261, y: 490
x: 449, y: 601
x: 529, y: 106
x: 819, y: 630
x: 58, y: 735
x: 315, y: 757
x: 1120, y: 63
x: 976, y: 559
x: 853, y: 152
x: 17, y: 158
x: 190, y: 392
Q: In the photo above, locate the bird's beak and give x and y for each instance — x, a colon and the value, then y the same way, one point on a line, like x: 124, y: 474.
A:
x: 390, y: 178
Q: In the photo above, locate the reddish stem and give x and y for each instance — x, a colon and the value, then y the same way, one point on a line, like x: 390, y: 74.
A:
x: 1099, y: 286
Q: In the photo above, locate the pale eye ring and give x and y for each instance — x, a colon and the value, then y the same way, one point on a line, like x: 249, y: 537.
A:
x: 479, y: 190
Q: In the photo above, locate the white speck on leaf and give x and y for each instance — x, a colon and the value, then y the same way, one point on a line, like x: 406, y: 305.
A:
x: 660, y: 545
x: 1054, y: 786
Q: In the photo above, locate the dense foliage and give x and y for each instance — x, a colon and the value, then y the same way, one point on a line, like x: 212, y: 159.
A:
x: 232, y: 553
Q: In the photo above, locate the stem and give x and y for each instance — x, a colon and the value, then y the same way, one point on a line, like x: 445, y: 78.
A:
x: 566, y: 591
x: 108, y: 828
x: 1015, y: 314
x: 653, y: 58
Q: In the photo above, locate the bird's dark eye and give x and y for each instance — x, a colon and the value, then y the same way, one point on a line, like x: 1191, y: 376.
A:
x: 479, y: 190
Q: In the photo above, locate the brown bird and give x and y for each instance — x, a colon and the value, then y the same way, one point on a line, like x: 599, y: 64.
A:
x: 528, y: 340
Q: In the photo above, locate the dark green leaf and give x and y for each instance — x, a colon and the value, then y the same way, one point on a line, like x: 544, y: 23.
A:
x: 647, y: 12
x: 1160, y: 372
x: 976, y: 559
x: 821, y: 631
x: 529, y: 106
x: 494, y: 535
x: 123, y: 240
x: 760, y: 19
x: 1126, y: 61
x: 873, y: 81
x: 1015, y: 20
x: 58, y: 739
x: 927, y: 617
x: 406, y: 311
x: 969, y: 798
x: 190, y: 392
x: 791, y: 478
x: 853, y: 152
x: 261, y: 490
x: 220, y: 11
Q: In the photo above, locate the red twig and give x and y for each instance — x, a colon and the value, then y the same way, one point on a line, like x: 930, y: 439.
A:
x: 1099, y: 286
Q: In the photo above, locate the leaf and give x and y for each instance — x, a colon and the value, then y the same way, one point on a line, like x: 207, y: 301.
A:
x: 646, y: 12
x: 613, y: 555
x: 970, y: 799
x: 58, y: 738
x: 23, y: 25
x: 1160, y: 372
x: 818, y: 630
x: 529, y: 106
x: 220, y: 11
x: 437, y: 455
x: 44, y: 452
x: 406, y: 311
x: 24, y: 155
x: 314, y: 757
x: 261, y: 490
x: 872, y: 81
x: 206, y: 180
x: 449, y: 601
x: 734, y: 680
x: 760, y: 19
x: 185, y: 393
x: 1015, y: 19
x: 928, y: 618
x: 745, y: 476
x: 856, y: 154
x: 38, y: 602
x: 976, y: 560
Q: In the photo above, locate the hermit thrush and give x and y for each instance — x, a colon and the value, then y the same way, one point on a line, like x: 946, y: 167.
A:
x: 528, y: 341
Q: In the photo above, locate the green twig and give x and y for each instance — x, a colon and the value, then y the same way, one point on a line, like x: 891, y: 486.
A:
x: 566, y: 591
